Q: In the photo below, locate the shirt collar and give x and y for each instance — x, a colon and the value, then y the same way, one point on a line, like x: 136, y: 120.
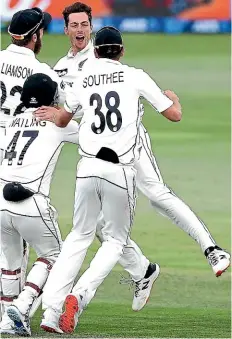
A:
x: 83, y: 51
x: 21, y: 50
x: 111, y: 61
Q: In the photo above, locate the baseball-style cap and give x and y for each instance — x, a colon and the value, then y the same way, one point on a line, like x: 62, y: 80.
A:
x: 108, y: 35
x: 39, y: 90
x: 27, y: 22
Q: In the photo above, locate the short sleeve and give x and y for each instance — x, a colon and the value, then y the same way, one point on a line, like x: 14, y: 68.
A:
x: 151, y: 92
x: 72, y: 103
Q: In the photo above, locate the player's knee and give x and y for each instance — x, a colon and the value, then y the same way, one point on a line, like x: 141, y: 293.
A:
x: 47, y: 261
x: 115, y: 245
x: 119, y: 238
x: 159, y: 194
x: 52, y: 254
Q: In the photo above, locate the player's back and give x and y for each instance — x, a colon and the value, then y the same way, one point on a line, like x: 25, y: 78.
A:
x: 16, y: 65
x: 31, y: 151
x: 110, y: 99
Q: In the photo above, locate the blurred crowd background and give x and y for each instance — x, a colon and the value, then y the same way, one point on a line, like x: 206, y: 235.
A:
x: 168, y: 16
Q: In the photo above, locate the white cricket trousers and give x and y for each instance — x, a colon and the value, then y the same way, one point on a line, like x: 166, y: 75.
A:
x: 33, y: 220
x: 101, y: 187
x: 150, y: 182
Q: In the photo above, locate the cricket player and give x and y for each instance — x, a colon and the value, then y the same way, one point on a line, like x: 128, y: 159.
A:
x: 78, y: 27
x: 109, y: 143
x: 31, y: 154
x: 17, y: 62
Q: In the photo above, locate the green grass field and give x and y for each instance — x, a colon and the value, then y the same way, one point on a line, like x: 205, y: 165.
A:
x: 194, y: 157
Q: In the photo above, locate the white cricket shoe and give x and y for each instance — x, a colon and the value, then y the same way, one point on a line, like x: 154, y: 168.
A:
x: 7, y: 325
x: 21, y: 321
x: 73, y: 309
x: 143, y: 288
x: 50, y: 321
x: 218, y: 259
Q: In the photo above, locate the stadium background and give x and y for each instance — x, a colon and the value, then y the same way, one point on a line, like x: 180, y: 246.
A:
x: 194, y: 157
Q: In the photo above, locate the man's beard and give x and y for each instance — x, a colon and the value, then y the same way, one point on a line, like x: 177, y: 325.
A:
x: 38, y: 46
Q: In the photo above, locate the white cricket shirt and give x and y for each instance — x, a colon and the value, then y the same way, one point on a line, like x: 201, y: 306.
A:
x: 32, y: 150
x: 16, y: 65
x: 69, y: 67
x: 108, y: 93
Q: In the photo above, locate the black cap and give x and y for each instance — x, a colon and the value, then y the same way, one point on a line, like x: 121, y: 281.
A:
x: 27, y: 22
x: 38, y: 90
x: 108, y: 35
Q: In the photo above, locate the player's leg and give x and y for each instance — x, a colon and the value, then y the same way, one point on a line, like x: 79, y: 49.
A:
x: 7, y: 324
x: 26, y: 247
x: 60, y: 282
x: 117, y: 195
x: 22, y: 275
x: 142, y: 272
x: 42, y: 233
x: 151, y: 184
x: 132, y: 260
x: 11, y: 259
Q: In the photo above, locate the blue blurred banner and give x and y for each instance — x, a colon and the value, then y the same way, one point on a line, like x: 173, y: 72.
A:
x: 166, y: 16
x: 170, y: 25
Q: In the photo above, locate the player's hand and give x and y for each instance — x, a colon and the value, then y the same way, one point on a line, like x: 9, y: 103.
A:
x: 47, y: 113
x: 171, y: 95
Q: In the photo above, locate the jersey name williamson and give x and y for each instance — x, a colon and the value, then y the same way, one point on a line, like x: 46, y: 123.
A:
x: 16, y: 71
x: 103, y: 79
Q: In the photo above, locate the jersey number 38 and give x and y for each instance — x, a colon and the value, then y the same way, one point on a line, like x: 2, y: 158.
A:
x: 106, y: 119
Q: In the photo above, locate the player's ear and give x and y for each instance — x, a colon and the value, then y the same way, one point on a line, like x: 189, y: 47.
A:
x: 41, y: 33
x: 34, y: 38
x: 122, y: 52
x: 66, y: 30
x: 95, y: 53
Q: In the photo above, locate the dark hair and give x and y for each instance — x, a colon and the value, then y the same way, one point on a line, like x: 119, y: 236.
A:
x: 25, y: 41
x: 109, y: 51
x: 77, y: 7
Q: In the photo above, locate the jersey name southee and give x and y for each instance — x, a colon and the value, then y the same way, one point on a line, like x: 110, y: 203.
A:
x: 103, y: 79
x: 16, y: 71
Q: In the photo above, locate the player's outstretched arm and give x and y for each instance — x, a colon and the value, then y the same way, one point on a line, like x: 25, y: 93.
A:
x: 165, y: 102
x: 62, y: 116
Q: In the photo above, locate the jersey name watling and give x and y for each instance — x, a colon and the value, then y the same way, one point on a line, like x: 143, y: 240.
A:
x: 22, y: 122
